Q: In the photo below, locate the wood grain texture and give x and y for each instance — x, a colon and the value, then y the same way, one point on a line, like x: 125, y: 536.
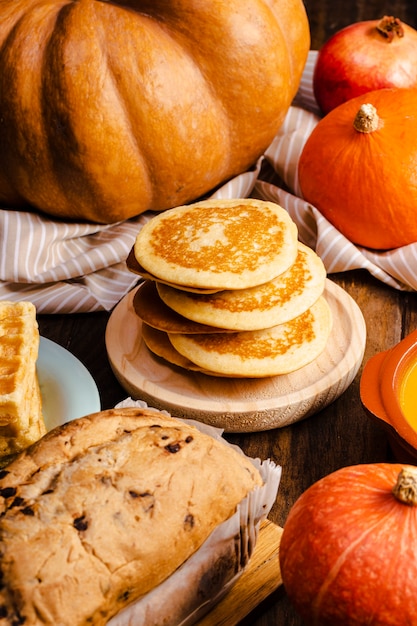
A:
x: 328, y: 16
x: 259, y: 580
x: 239, y: 405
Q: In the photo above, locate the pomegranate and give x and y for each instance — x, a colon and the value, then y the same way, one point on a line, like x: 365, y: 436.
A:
x: 363, y: 57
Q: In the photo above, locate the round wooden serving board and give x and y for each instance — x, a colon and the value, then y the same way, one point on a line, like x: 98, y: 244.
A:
x: 239, y: 404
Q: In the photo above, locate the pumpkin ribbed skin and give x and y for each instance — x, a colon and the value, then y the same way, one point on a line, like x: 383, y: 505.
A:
x: 348, y: 551
x: 110, y: 109
x: 365, y: 184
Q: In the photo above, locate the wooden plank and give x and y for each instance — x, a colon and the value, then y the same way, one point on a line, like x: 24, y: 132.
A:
x: 239, y: 404
x: 259, y: 580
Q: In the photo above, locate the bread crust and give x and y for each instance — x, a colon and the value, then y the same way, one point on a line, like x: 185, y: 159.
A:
x: 104, y: 508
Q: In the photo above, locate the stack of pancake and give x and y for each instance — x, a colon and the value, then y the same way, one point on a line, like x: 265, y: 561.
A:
x: 229, y: 290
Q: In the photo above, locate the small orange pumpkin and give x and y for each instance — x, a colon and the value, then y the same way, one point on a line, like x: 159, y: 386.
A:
x: 348, y: 551
x: 110, y: 108
x: 359, y: 168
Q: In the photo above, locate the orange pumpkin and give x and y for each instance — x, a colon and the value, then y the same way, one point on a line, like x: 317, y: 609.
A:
x: 359, y: 168
x: 348, y: 551
x: 108, y: 109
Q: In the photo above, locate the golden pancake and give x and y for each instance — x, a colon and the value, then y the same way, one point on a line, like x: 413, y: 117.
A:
x: 158, y: 343
x: 255, y: 354
x: 218, y: 244
x: 134, y: 267
x: 154, y: 312
x: 270, y: 304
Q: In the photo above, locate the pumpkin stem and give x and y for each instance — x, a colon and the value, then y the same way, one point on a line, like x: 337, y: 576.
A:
x: 367, y: 119
x: 389, y: 27
x: 405, y: 489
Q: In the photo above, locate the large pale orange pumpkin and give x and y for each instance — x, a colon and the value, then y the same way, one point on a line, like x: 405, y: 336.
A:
x: 359, y: 168
x: 108, y: 109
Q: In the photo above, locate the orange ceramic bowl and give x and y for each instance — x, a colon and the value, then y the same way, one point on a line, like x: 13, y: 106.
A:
x: 383, y: 385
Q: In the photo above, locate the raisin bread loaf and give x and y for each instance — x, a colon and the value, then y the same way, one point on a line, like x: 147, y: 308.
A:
x: 103, y: 509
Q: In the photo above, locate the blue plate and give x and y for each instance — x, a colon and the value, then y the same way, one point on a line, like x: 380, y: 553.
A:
x: 67, y: 387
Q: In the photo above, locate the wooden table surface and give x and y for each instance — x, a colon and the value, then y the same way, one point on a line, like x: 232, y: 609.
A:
x: 337, y: 436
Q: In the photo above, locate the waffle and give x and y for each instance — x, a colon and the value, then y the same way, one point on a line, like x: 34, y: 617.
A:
x: 21, y: 419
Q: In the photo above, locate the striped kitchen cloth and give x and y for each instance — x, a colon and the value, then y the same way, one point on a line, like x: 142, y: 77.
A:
x: 73, y: 267
x: 76, y: 267
x: 279, y: 183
